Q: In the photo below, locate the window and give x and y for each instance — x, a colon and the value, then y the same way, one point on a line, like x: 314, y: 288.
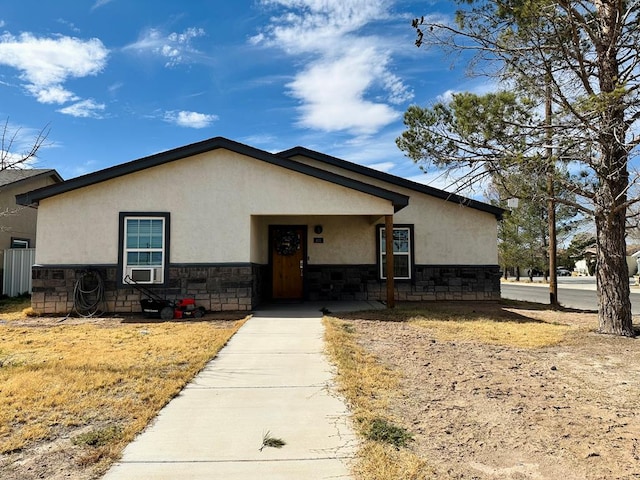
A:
x: 19, y: 243
x: 144, y: 246
x: 402, y: 252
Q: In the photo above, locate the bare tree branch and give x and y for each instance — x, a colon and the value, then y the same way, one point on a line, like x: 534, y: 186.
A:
x: 9, y: 140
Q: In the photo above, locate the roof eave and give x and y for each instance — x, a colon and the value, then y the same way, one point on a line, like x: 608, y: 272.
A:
x: 395, y: 180
x: 34, y: 197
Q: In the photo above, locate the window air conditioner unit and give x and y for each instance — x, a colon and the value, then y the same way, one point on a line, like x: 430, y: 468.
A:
x: 142, y: 275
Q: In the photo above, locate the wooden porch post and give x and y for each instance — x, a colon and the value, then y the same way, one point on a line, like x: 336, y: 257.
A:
x: 388, y: 233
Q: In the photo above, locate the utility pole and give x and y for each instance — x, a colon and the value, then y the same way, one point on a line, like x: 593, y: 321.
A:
x: 551, y: 204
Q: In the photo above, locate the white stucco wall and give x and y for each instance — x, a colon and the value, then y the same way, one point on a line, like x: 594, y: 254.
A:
x: 445, y: 232
x: 449, y: 233
x: 211, y: 198
x: 347, y: 240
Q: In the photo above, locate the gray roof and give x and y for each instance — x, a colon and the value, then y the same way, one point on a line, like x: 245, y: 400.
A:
x: 33, y: 198
x: 394, y: 180
x: 9, y: 176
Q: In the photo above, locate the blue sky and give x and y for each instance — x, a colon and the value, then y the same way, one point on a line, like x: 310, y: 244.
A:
x: 117, y: 80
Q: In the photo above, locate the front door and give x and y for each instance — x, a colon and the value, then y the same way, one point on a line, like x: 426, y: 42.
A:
x: 287, y: 261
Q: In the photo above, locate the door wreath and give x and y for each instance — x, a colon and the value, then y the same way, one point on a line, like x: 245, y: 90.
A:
x: 287, y: 242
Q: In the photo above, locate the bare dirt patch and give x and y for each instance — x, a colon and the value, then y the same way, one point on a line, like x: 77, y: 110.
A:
x: 482, y: 409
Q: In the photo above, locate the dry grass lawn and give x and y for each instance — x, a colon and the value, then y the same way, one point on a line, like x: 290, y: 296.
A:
x: 84, y: 389
x: 14, y: 308
x: 369, y: 388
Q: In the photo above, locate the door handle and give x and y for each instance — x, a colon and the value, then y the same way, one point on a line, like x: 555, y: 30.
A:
x: 301, y: 267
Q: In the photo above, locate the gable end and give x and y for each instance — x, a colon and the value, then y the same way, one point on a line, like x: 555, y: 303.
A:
x: 34, y: 197
x: 394, y: 180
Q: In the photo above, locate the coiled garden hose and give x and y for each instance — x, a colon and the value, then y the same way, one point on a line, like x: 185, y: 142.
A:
x: 88, y: 294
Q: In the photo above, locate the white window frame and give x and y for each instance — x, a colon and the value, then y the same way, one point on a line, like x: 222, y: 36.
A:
x: 158, y: 269
x: 23, y: 243
x: 382, y: 251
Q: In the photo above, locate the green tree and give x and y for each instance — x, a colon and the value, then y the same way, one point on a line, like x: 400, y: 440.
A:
x: 582, y: 59
x: 523, y: 234
x: 521, y: 241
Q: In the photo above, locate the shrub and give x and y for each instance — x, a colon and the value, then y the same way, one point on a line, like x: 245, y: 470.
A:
x: 383, y: 431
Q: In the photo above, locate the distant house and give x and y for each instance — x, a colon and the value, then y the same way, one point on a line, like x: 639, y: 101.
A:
x: 633, y: 261
x: 18, y: 223
x: 588, y: 264
x: 235, y: 226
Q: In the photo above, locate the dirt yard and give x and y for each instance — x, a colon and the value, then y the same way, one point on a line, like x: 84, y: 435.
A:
x: 487, y: 411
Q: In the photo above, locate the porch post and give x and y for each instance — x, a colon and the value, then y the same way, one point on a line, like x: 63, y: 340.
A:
x: 388, y: 234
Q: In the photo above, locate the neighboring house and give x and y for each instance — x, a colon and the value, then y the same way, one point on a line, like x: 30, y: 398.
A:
x: 235, y: 226
x: 590, y: 255
x: 17, y: 223
x: 581, y: 267
x: 633, y: 261
x: 588, y: 264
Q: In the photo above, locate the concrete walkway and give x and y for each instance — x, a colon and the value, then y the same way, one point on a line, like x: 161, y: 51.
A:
x: 272, y: 377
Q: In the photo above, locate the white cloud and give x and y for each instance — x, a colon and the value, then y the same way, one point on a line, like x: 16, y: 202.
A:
x: 20, y: 140
x: 383, y: 167
x: 369, y: 150
x: 175, y: 48
x: 317, y: 25
x: 333, y: 91
x: 446, y: 97
x: 83, y: 168
x: 69, y: 25
x: 347, y: 84
x: 100, y: 3
x: 453, y: 181
x: 190, y: 119
x: 17, y: 160
x: 398, y: 91
x: 262, y: 139
x: 45, y: 64
x: 84, y: 109
x: 114, y: 87
x: 479, y: 88
x: 54, y: 94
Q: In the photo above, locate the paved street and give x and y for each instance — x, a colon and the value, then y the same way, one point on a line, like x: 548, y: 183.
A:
x: 573, y: 292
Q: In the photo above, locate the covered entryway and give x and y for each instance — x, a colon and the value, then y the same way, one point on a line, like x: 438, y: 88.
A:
x: 320, y: 243
x: 287, y: 258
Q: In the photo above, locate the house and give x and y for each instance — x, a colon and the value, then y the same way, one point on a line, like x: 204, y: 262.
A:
x: 17, y: 223
x: 234, y: 226
x: 587, y: 265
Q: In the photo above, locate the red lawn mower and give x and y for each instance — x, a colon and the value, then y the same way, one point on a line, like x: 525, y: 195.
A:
x: 153, y: 305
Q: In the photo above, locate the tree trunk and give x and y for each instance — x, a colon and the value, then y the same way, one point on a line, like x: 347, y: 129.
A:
x: 612, y: 273
x: 612, y: 276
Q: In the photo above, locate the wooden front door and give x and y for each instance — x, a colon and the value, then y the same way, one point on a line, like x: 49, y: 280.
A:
x: 287, y: 261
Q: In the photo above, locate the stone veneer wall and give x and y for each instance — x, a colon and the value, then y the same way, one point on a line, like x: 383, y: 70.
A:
x: 243, y: 287
x: 430, y: 283
x: 214, y: 287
